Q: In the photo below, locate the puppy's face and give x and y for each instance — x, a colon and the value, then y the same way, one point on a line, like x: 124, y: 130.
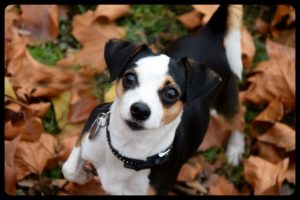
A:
x: 150, y: 92
x: 152, y: 89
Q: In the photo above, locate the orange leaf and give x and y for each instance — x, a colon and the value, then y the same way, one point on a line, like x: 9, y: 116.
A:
x: 92, y: 36
x: 217, y: 133
x: 10, y: 167
x: 219, y: 185
x: 270, y: 152
x: 248, y: 47
x: 189, y: 172
x: 109, y: 13
x: 263, y: 175
x: 32, y: 157
x: 190, y: 20
x: 41, y: 21
x: 274, y: 78
x: 280, y: 135
x: 207, y: 10
x: 93, y: 187
x: 40, y: 109
x: 274, y: 112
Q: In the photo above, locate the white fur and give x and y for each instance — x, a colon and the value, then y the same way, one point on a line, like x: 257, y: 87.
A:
x: 235, y: 148
x: 232, y: 44
x: 141, y: 144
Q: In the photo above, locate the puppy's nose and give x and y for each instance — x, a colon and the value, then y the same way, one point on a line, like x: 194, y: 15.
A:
x: 140, y: 111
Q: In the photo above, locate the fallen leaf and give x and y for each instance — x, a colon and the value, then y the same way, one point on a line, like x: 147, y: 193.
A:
x: 264, y: 175
x: 109, y: 13
x: 280, y: 135
x: 93, y: 187
x: 270, y: 152
x: 283, y: 25
x: 273, y: 113
x: 10, y: 167
x: 92, y: 36
x: 207, y: 10
x: 191, y: 19
x: 32, y: 157
x: 247, y: 46
x: 274, y: 78
x: 8, y: 90
x: 291, y: 174
x: 220, y: 185
x: 216, y: 135
x: 68, y: 141
x: 61, y: 108
x: 189, y: 172
x: 40, y: 109
x: 43, y: 25
x: 262, y: 26
x: 110, y: 94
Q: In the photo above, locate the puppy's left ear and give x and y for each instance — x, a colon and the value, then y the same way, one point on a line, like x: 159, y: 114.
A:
x: 118, y: 53
x: 200, y: 80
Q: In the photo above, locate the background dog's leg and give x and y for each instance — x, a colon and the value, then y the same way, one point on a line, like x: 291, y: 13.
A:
x: 73, y: 169
x: 236, y: 142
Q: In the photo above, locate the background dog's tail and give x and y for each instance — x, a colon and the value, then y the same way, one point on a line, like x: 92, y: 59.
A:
x: 228, y: 20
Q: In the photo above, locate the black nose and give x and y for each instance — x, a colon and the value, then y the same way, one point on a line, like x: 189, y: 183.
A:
x: 140, y: 111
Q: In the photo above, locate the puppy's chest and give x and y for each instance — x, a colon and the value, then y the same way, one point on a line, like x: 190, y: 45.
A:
x: 115, y: 178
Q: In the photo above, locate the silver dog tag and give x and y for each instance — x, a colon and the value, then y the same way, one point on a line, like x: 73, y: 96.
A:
x: 94, y: 130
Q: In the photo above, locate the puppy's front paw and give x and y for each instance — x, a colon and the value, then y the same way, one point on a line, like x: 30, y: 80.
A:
x: 235, y: 148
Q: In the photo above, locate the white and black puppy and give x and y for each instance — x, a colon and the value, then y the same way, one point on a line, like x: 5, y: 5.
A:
x: 139, y: 142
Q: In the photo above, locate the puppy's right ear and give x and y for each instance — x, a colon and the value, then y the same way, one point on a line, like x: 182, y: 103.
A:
x: 118, y: 53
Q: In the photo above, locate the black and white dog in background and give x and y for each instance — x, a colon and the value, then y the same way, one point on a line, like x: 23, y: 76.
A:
x: 139, y: 142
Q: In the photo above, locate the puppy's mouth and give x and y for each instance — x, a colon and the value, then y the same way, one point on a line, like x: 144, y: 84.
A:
x: 134, y: 125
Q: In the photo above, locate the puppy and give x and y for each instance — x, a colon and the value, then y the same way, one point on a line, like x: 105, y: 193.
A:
x: 139, y: 142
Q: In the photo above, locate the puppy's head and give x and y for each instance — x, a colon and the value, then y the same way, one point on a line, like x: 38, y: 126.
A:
x: 153, y: 88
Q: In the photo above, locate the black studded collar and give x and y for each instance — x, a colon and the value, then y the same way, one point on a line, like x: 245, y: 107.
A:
x: 130, y: 163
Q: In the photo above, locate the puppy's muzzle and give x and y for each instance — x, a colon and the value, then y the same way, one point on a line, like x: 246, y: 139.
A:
x: 140, y: 111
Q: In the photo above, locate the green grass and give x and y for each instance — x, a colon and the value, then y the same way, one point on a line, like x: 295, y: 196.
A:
x: 146, y: 23
x: 47, y: 53
x: 234, y: 174
x: 211, y: 154
x: 49, y: 122
x: 54, y: 173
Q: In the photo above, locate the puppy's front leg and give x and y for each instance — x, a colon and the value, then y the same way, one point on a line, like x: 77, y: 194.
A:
x: 73, y: 168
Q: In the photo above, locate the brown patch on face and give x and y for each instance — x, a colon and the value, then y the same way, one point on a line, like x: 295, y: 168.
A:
x: 171, y: 111
x: 119, y: 88
x: 151, y: 191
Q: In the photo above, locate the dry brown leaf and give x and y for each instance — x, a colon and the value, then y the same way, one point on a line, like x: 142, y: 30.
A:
x: 207, y: 10
x: 10, y: 167
x: 264, y: 175
x: 262, y: 26
x: 270, y: 152
x: 280, y: 135
x: 68, y: 141
x: 43, y: 24
x: 283, y: 25
x: 190, y: 20
x: 109, y: 13
x: 248, y: 47
x: 93, y: 187
x: 274, y: 78
x: 92, y: 36
x: 273, y: 113
x: 217, y: 134
x: 11, y: 16
x: 220, y: 185
x: 291, y: 174
x: 40, y: 109
x: 32, y: 157
x: 189, y: 172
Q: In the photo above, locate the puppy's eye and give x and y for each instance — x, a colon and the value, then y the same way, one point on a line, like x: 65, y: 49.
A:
x: 170, y: 95
x: 129, y: 80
